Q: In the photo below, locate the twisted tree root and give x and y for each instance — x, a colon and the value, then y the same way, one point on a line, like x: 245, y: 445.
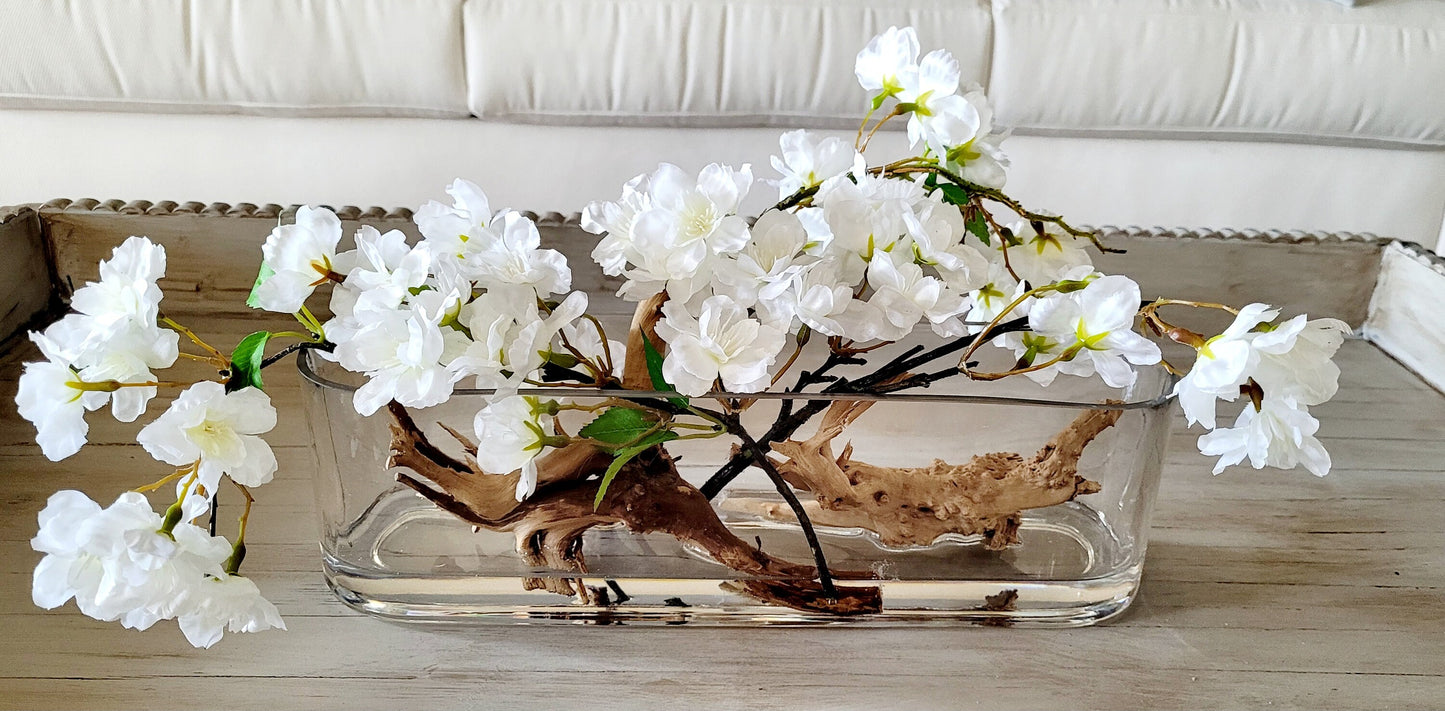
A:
x: 916, y: 505
x: 647, y: 496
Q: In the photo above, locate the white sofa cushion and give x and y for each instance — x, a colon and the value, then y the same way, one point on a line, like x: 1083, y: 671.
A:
x: 1395, y: 193
x: 1210, y: 68
x: 695, y: 62
x: 312, y: 57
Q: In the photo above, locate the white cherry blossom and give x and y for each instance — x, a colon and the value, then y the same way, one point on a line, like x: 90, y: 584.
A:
x: 722, y: 341
x: 218, y: 430
x: 980, y: 159
x: 989, y: 302
x: 115, y: 563
x: 820, y: 299
x: 820, y: 233
x: 1295, y: 359
x: 385, y: 272
x: 1044, y: 258
x: 906, y: 295
x: 866, y: 217
x: 299, y: 256
x: 114, y: 334
x: 405, y: 354
x: 1280, y: 434
x: 1289, y: 360
x: 453, y: 232
x: 938, y: 115
x: 229, y: 602
x: 1223, y: 363
x: 615, y: 221
x: 55, y: 394
x: 510, y: 337
x: 130, y: 355
x: 889, y: 57
x: 495, y: 320
x: 127, y: 290
x: 808, y: 160
x: 656, y: 267
x: 689, y: 222
x: 767, y: 262
x: 126, y: 352
x: 937, y: 231
x: 510, y: 435
x: 52, y: 396
x: 67, y: 570
x: 154, y: 575
x: 513, y: 255
x: 1095, y: 325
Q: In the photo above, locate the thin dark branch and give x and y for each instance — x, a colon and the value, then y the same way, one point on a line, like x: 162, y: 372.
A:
x: 276, y: 357
x: 621, y: 596
x: 1013, y: 326
x: 998, y: 196
x: 789, y: 421
x: 825, y: 578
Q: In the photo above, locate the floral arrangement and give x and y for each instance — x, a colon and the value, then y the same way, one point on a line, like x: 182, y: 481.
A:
x: 855, y: 254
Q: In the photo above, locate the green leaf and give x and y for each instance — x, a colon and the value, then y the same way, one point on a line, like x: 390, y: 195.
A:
x: 977, y: 226
x: 266, y: 273
x: 625, y: 455
x: 953, y: 194
x: 654, y: 369
x: 246, y: 362
x: 563, y: 360
x: 618, y: 426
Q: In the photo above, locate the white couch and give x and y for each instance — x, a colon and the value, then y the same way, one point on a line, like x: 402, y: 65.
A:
x: 1263, y: 114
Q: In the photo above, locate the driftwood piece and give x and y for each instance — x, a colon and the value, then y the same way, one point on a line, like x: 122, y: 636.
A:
x: 1002, y: 601
x: 916, y: 505
x: 491, y: 497
x: 647, y: 495
x: 805, y: 595
x: 635, y: 375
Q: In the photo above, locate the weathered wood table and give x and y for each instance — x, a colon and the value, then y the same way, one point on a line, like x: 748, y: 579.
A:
x: 1261, y: 589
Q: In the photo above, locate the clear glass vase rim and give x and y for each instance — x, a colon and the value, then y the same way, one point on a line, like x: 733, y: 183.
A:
x: 1162, y: 399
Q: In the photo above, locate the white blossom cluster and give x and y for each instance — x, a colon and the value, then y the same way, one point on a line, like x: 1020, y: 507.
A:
x: 954, y: 122
x: 1290, y: 364
x: 477, y: 298
x: 117, y: 564
x: 867, y: 257
x: 123, y: 562
x: 112, y: 336
x: 477, y: 301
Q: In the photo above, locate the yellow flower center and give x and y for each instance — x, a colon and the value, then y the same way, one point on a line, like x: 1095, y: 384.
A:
x: 1088, y: 340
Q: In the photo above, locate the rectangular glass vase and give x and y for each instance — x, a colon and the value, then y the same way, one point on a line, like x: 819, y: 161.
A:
x: 391, y: 552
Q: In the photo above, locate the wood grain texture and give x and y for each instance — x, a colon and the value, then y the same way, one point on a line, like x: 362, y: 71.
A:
x: 1321, y: 275
x: 1261, y: 589
x: 25, y: 284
